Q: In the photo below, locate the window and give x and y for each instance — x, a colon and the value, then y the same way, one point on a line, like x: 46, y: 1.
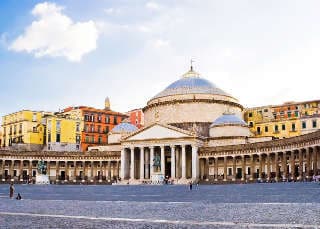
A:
x: 87, y: 139
x: 49, y: 125
x: 15, y: 129
x: 229, y: 171
x: 92, y: 128
x: 107, y: 119
x: 283, y: 126
x: 250, y: 124
x: 258, y: 130
x: 77, y: 127
x: 77, y: 147
x: 289, y: 114
x: 304, y: 125
x: 293, y: 127
x: 265, y: 110
x: 266, y: 129
x: 314, y: 123
x: 49, y: 137
x: 78, y: 139
x: 296, y: 113
x: 107, y: 129
x: 92, y: 139
x: 99, y: 118
x: 99, y: 129
x: 276, y: 128
x: 58, y: 125
x: 100, y: 140
x: 20, y: 128
x: 58, y: 137
x: 115, y: 121
x: 34, y: 117
x: 250, y: 115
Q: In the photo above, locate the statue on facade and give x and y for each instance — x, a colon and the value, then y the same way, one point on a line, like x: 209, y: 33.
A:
x: 42, y: 168
x: 157, y: 162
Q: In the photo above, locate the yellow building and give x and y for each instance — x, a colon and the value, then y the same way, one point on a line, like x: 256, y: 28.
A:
x: 283, y: 121
x: 63, y: 132
x: 23, y: 130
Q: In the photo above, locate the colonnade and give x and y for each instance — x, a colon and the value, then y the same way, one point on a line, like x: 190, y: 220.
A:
x: 60, y: 171
x: 175, y: 162
x: 298, y: 164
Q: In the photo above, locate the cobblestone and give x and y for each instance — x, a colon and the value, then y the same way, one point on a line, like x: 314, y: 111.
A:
x: 295, y: 205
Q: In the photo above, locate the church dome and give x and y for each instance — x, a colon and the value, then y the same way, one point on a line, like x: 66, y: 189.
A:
x: 191, y: 83
x: 228, y: 119
x: 124, y: 128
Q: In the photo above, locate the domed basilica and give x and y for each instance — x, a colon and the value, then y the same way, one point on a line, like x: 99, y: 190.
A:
x: 190, y: 114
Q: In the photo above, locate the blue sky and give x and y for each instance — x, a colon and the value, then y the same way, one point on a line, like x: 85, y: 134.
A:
x: 59, y: 53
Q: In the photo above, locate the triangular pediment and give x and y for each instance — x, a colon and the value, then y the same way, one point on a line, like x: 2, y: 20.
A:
x: 158, y: 131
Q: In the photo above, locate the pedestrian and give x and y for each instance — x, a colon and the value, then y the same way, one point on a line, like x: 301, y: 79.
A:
x: 11, y: 190
x: 190, y: 185
x: 18, y: 197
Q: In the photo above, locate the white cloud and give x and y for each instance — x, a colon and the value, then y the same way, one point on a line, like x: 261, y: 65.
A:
x: 159, y: 43
x: 54, y: 34
x: 153, y: 6
x: 112, y: 11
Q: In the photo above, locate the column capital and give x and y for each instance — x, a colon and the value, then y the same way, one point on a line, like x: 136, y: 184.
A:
x: 132, y: 148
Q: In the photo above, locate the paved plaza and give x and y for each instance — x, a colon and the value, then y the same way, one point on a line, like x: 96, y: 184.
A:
x: 281, y: 205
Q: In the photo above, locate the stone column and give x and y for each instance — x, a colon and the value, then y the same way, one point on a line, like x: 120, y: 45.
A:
x: 118, y: 169
x: 216, y: 168
x: 67, y: 171
x: 151, y: 161
x: 225, y: 169
x: 2, y: 169
x: 100, y: 176
x: 307, y: 163
x: 292, y: 165
x: 76, y: 170
x: 141, y: 163
x: 11, y: 168
x: 48, y: 169
x: 92, y: 174
x: 109, y: 171
x: 163, y: 169
x: 234, y: 168
x: 260, y: 166
x: 57, y: 171
x: 195, y: 163
x: 300, y: 165
x: 21, y: 170
x: 178, y: 162
x: 173, y: 162
x: 268, y: 167
x: 183, y: 162
x: 243, y: 178
x: 284, y: 165
x: 252, y: 167
x: 146, y: 162
x: 314, y: 161
x: 276, y: 158
x: 85, y: 172
x: 206, y: 172
x: 123, y: 165
x: 132, y: 163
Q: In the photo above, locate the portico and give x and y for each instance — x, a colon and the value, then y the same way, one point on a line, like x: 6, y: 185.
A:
x: 174, y: 149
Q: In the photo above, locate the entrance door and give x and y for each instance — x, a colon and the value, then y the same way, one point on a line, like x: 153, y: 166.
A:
x: 239, y: 173
x: 63, y: 175
x: 168, y: 167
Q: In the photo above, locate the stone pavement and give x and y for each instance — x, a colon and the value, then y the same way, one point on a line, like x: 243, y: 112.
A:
x: 283, y: 205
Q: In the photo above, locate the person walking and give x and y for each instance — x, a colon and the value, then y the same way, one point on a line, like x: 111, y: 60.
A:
x: 11, y: 191
x: 190, y: 185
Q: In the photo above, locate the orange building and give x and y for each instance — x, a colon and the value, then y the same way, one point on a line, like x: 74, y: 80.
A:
x: 96, y: 123
x: 136, y: 117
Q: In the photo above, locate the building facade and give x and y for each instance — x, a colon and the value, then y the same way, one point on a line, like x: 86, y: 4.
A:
x: 97, y: 123
x: 63, y: 132
x: 284, y: 121
x: 136, y: 117
x: 23, y: 130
